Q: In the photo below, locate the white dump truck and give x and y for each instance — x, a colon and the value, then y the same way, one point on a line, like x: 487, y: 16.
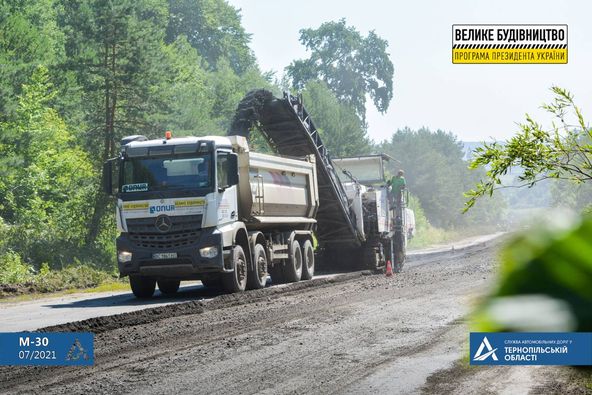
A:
x: 207, y: 208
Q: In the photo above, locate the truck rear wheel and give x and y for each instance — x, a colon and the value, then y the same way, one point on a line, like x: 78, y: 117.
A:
x: 168, y: 287
x: 257, y: 275
x: 236, y: 281
x: 293, y: 268
x: 308, y: 255
x: 142, y: 287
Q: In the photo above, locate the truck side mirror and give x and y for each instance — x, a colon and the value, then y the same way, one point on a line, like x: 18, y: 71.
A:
x: 108, y: 177
x: 232, y: 169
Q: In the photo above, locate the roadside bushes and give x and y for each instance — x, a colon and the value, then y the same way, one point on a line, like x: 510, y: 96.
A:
x: 425, y: 233
x: 13, y: 270
x: 79, y: 276
x: 16, y: 277
x: 19, y: 276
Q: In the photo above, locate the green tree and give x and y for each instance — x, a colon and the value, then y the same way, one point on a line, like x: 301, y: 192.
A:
x: 187, y: 91
x: 228, y: 88
x: 341, y: 130
x: 351, y: 65
x: 213, y: 27
x: 28, y: 37
x: 75, y: 78
x: 115, y: 51
x: 433, y: 168
x: 560, y: 152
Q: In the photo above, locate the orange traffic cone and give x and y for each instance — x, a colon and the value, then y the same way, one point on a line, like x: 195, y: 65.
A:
x: 389, y: 269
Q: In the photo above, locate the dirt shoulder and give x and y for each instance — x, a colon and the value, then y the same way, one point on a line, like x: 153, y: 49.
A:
x: 461, y: 378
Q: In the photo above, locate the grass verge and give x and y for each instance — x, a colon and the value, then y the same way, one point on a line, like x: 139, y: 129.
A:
x: 18, y: 279
x: 432, y: 236
x: 111, y: 286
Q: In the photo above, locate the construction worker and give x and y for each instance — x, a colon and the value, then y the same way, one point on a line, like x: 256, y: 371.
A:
x: 397, y: 184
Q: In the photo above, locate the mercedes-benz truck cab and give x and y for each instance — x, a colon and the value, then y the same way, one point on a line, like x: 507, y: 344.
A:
x: 181, y: 214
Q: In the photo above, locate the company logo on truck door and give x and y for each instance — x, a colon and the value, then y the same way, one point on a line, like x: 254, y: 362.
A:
x: 162, y: 208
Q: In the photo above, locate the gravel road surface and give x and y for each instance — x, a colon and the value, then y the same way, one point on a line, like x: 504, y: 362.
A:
x: 356, y: 333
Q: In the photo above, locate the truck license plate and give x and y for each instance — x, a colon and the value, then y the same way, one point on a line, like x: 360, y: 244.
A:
x: 164, y: 255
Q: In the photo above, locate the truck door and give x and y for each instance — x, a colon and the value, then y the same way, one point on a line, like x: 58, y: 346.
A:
x: 227, y: 209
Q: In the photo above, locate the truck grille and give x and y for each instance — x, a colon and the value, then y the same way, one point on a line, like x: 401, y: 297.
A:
x: 185, y: 230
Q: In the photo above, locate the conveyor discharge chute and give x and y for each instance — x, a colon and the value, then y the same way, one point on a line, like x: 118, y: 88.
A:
x: 289, y: 129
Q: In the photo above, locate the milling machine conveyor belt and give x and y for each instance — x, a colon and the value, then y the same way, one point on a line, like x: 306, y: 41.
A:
x: 289, y: 129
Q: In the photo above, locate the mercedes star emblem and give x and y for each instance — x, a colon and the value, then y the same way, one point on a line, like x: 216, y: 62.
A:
x: 163, y: 223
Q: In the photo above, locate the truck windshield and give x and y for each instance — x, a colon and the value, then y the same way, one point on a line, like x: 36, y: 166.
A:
x: 162, y: 174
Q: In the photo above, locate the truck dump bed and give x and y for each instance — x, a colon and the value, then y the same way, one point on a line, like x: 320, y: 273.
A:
x: 280, y: 192
x: 290, y: 131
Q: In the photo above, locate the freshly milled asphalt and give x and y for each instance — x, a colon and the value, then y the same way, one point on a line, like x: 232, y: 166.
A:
x: 354, y: 333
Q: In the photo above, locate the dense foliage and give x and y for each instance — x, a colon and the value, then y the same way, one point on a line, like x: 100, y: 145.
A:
x: 214, y: 28
x: 341, y: 129
x: 75, y: 78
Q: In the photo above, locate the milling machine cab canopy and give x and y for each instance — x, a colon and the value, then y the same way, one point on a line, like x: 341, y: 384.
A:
x: 367, y: 170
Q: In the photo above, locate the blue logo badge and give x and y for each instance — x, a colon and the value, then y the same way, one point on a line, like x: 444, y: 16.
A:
x: 163, y: 208
x: 531, y: 348
x: 52, y: 348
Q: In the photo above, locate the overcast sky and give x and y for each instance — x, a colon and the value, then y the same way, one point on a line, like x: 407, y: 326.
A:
x: 475, y: 102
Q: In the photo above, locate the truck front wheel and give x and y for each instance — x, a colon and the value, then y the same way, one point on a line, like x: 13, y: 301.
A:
x: 142, y: 287
x: 236, y: 281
